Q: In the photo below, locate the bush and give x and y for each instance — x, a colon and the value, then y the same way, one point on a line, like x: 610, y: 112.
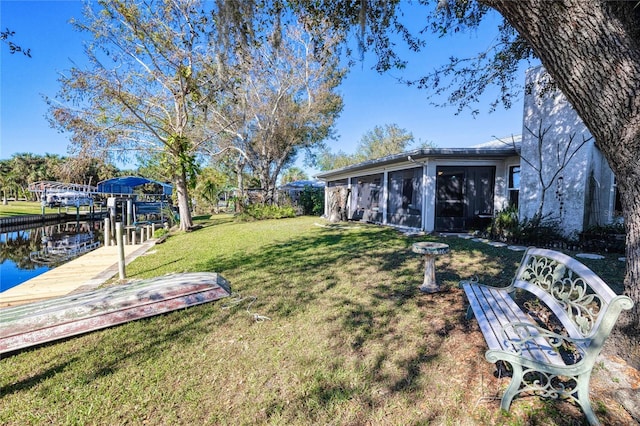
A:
x: 505, y: 224
x: 160, y: 232
x: 539, y: 232
x: 265, y: 211
x: 536, y: 231
x: 604, y: 238
x: 312, y: 201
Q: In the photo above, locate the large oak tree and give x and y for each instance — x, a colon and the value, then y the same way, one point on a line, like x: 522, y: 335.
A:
x: 591, y: 49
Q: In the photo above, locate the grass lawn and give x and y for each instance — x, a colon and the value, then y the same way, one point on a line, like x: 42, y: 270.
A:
x: 17, y: 208
x: 350, y: 340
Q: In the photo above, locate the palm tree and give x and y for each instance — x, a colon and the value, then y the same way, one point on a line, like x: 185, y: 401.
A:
x: 293, y: 174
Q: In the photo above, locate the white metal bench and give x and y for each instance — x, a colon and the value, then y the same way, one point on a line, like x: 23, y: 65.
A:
x: 552, y: 364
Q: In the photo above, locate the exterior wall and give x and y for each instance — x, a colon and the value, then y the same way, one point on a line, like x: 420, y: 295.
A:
x: 600, y: 199
x: 551, y: 116
x: 376, y: 195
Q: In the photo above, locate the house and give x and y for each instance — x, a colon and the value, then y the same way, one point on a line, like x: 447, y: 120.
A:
x: 291, y: 191
x: 554, y: 170
x: 432, y: 189
x: 564, y: 177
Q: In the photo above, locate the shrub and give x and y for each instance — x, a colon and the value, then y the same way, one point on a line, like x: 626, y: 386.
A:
x: 537, y: 230
x: 265, y: 211
x: 160, y: 232
x: 604, y: 238
x: 505, y: 224
x: 312, y: 201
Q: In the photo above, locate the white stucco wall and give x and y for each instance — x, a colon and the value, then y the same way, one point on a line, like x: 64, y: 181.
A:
x: 550, y: 113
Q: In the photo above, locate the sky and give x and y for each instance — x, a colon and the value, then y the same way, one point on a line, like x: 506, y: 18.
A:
x: 370, y: 99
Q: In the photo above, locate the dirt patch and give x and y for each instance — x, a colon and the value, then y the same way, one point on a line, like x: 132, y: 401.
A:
x: 615, y: 381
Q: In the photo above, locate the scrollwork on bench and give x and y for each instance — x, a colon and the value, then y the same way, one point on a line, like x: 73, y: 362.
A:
x: 570, y: 290
x: 549, y: 385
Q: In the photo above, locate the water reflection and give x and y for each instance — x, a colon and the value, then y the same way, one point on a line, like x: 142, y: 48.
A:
x: 26, y: 253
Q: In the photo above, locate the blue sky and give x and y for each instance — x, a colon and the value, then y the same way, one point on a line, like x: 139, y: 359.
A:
x: 370, y: 99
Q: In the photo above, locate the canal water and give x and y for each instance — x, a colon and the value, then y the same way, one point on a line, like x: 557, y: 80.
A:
x: 29, y: 252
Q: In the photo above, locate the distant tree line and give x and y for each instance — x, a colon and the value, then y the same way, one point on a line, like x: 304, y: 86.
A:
x: 381, y: 141
x: 17, y: 172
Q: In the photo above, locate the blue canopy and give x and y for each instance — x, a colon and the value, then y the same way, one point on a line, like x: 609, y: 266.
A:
x: 126, y: 184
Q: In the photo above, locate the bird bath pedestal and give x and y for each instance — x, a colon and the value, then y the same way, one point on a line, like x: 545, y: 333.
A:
x: 430, y: 251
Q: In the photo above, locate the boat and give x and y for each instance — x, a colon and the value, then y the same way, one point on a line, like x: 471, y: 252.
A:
x: 78, y: 313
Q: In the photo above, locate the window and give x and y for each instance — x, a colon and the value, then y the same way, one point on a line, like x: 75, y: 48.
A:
x: 514, y: 185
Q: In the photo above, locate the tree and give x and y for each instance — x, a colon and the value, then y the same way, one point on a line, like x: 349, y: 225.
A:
x: 212, y: 183
x: 8, y: 182
x: 293, y: 174
x: 145, y: 90
x: 84, y: 170
x: 382, y: 142
x: 327, y: 160
x: 283, y: 101
x: 26, y: 168
x: 590, y: 48
x: 376, y: 143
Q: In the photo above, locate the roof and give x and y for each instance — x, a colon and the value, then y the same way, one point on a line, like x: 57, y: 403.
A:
x: 301, y: 184
x: 419, y: 155
x: 509, y: 141
x: 125, y: 185
x: 51, y: 186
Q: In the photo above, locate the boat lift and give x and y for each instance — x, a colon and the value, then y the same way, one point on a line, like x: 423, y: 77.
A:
x: 58, y: 194
x: 135, y: 208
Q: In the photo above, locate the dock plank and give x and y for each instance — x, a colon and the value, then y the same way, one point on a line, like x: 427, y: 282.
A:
x: 85, y: 272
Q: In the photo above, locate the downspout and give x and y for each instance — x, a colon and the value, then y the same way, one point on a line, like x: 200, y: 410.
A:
x: 385, y: 196
x: 349, y: 198
x: 424, y: 196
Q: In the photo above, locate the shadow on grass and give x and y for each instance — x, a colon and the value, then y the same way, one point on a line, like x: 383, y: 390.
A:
x: 36, y: 379
x: 357, y: 287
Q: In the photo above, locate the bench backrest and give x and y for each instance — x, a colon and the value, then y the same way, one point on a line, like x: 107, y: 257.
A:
x: 580, y: 299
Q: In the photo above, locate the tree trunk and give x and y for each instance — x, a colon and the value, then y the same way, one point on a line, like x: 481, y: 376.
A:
x: 183, y: 201
x: 592, y: 51
x: 239, y: 204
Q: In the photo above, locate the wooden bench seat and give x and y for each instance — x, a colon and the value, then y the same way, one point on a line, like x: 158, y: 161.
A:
x: 550, y: 364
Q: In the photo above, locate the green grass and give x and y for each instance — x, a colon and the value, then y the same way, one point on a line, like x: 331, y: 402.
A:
x: 17, y: 208
x: 350, y: 339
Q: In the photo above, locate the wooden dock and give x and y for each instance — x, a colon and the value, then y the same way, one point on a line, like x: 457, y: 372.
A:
x: 83, y: 273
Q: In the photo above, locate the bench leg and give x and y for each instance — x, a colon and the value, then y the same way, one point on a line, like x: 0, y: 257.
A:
x: 469, y: 314
x: 582, y: 393
x: 513, y: 388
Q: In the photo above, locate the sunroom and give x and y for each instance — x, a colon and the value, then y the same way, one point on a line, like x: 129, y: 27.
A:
x: 430, y: 189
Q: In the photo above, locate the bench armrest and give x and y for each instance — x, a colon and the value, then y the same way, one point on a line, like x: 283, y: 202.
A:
x: 521, y: 334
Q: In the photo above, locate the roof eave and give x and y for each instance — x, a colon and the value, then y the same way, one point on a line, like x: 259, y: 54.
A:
x: 421, y: 154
